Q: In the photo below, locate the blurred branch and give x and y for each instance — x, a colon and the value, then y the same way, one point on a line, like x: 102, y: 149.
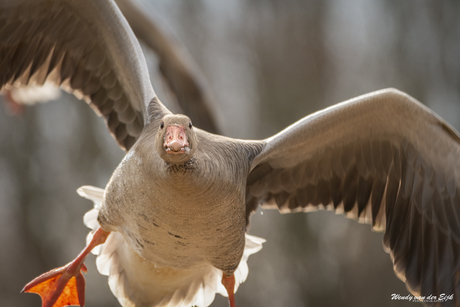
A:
x: 175, y: 66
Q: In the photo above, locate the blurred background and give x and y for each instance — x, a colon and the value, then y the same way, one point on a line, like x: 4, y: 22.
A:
x: 267, y: 64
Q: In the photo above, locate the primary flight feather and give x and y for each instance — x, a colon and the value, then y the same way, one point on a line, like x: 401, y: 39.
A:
x: 175, y: 212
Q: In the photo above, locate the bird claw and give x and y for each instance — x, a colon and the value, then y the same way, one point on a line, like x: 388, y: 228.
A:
x: 60, y: 287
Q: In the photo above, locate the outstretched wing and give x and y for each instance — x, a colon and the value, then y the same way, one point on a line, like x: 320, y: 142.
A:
x: 384, y: 159
x: 175, y: 66
x: 86, y: 47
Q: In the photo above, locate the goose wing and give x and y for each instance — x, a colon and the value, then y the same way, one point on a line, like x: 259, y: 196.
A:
x: 383, y: 159
x: 86, y: 47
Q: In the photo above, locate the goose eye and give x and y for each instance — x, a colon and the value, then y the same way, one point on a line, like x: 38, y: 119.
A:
x: 162, y: 125
x: 190, y: 125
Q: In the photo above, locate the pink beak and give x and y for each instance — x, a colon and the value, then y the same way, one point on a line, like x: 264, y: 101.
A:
x: 175, y: 140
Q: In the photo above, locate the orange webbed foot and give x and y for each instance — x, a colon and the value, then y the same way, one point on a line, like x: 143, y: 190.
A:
x: 65, y: 286
x: 60, y: 287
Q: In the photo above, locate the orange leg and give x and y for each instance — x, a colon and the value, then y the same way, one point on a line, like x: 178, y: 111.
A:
x: 229, y: 284
x: 65, y: 286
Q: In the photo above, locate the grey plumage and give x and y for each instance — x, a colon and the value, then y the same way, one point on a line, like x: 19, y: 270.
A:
x: 382, y: 158
x: 185, y: 83
x: 86, y: 48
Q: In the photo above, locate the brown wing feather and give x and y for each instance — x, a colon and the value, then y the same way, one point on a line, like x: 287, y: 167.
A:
x: 397, y: 170
x: 178, y: 71
x: 88, y: 49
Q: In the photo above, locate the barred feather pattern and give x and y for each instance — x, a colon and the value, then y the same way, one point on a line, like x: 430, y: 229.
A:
x: 137, y: 282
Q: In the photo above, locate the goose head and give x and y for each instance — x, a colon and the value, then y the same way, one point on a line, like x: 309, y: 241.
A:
x: 176, y: 139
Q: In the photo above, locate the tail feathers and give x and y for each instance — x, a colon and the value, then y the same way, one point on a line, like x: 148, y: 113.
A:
x: 92, y: 193
x: 96, y: 195
x: 253, y: 245
x: 137, y: 282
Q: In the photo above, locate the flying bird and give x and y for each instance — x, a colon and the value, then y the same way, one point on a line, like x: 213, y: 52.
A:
x: 170, y: 226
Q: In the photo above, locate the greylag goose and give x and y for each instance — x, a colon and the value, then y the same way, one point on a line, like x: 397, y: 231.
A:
x: 172, y: 220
